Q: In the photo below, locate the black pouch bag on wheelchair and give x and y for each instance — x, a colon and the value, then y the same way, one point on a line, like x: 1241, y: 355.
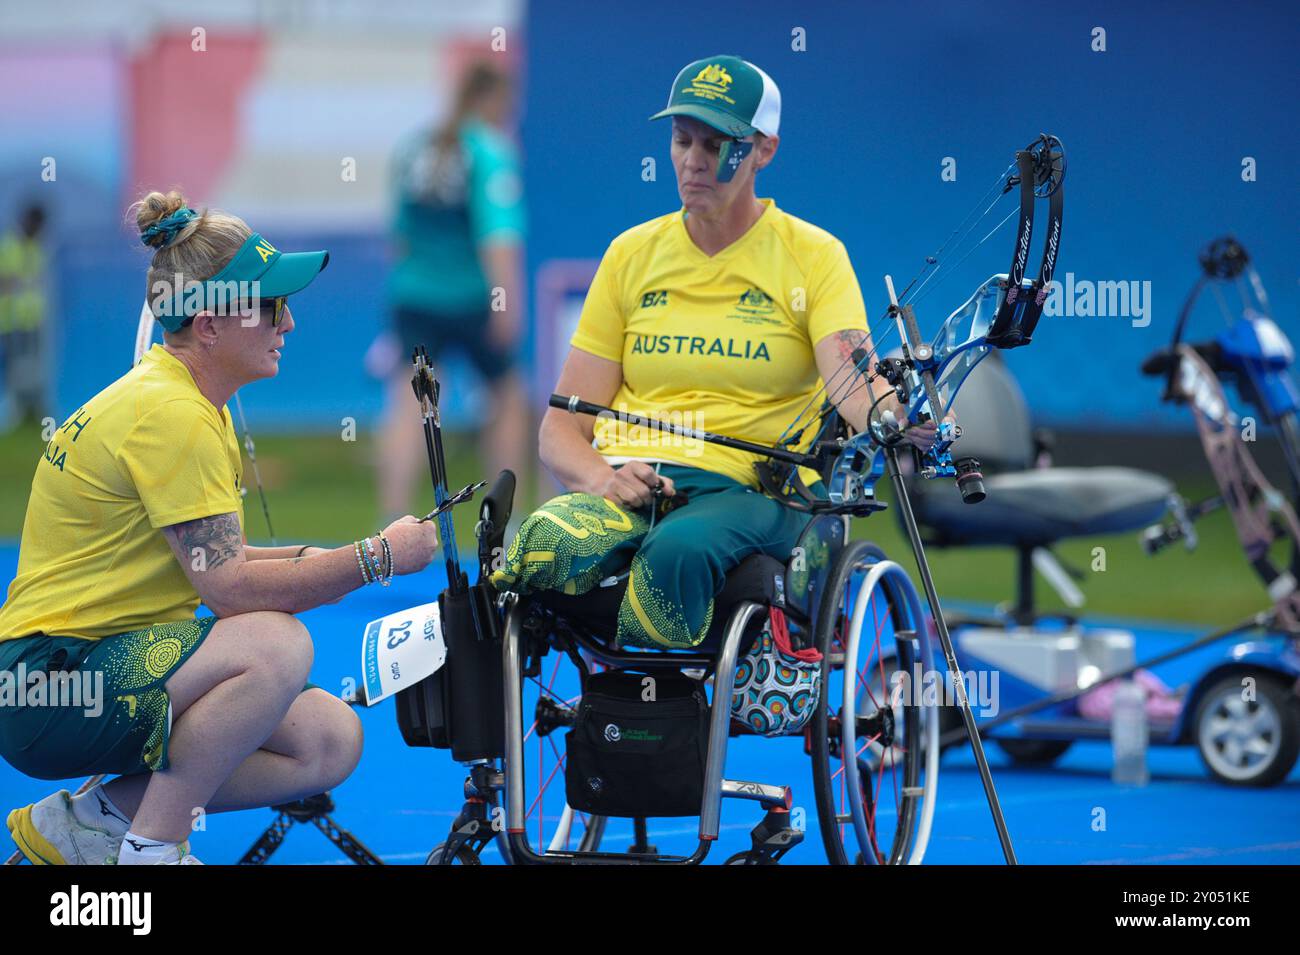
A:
x: 632, y: 756
x: 461, y: 706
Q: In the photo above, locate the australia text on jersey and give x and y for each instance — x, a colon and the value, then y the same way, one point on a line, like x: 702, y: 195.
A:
x: 696, y: 345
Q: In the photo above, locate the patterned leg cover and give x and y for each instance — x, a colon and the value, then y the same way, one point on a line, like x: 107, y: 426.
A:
x: 685, y: 558
x: 570, y: 544
x: 576, y: 540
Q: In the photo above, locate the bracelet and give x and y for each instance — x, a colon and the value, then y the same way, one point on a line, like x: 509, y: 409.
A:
x: 302, y: 550
x: 365, y: 575
x: 388, y: 559
x: 376, y: 570
x: 372, y: 562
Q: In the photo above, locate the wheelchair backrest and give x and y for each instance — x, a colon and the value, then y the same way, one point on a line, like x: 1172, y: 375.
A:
x: 810, y: 563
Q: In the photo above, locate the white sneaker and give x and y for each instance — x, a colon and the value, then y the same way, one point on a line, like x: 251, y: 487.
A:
x: 178, y: 854
x: 49, y: 833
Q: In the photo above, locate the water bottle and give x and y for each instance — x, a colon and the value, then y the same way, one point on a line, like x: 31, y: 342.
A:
x: 1128, y: 735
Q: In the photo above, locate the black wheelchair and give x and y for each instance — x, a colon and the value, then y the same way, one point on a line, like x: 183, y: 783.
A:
x: 522, y: 672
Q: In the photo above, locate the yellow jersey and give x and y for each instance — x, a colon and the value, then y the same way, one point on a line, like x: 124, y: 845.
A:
x: 146, y: 452
x: 722, y: 343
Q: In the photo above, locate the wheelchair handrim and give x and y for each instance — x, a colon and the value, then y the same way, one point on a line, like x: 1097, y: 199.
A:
x: 883, y: 580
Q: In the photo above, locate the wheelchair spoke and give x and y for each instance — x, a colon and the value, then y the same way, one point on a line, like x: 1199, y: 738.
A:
x: 536, y: 803
x: 544, y: 783
x: 552, y: 698
x: 879, y: 656
x: 866, y: 771
x: 886, y: 744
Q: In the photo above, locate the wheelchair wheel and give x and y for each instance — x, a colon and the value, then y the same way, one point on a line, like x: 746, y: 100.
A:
x: 464, y: 856
x: 874, y: 747
x: 552, y: 698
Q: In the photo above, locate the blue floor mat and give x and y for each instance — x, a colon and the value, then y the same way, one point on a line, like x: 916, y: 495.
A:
x: 400, y: 801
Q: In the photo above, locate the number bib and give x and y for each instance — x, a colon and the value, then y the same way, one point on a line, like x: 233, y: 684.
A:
x: 400, y: 650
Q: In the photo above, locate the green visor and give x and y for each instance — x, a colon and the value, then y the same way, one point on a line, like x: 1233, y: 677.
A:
x: 258, y: 272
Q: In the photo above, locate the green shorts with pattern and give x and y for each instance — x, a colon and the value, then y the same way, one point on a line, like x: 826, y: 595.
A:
x: 76, y: 707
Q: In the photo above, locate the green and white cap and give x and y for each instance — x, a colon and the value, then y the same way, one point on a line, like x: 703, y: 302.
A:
x: 730, y: 94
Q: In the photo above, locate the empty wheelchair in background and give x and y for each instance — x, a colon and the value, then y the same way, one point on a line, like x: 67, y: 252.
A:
x: 1033, y: 506
x: 590, y: 740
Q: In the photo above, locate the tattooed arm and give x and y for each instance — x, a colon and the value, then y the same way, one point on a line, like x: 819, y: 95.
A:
x: 211, y: 552
x: 849, y: 390
x: 845, y: 386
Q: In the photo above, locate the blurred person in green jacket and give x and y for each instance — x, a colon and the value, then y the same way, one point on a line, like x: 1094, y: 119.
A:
x: 23, y: 333
x: 458, y: 278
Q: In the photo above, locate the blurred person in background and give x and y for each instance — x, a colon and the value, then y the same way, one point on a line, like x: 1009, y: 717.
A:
x: 24, y: 335
x: 458, y: 279
x: 135, y: 516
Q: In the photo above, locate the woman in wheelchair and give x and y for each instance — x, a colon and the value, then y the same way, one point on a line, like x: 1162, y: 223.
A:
x: 725, y: 315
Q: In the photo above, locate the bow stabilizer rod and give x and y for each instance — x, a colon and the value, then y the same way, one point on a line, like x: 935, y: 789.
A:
x: 575, y: 405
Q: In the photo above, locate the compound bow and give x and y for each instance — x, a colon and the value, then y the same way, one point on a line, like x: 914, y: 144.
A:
x: 1253, y: 354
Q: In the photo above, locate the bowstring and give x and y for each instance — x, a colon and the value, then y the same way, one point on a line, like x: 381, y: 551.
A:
x: 933, y: 260
x: 851, y: 384
x: 251, y: 450
x: 918, y: 295
x: 956, y: 265
x: 823, y: 390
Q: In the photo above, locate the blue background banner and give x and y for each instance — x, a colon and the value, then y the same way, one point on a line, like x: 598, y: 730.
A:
x: 1157, y: 129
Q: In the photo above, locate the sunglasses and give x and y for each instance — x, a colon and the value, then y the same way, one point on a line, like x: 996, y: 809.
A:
x: 277, y: 311
x: 276, y: 305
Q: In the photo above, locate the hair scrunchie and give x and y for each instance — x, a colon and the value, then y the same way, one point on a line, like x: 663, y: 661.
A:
x: 168, y: 227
